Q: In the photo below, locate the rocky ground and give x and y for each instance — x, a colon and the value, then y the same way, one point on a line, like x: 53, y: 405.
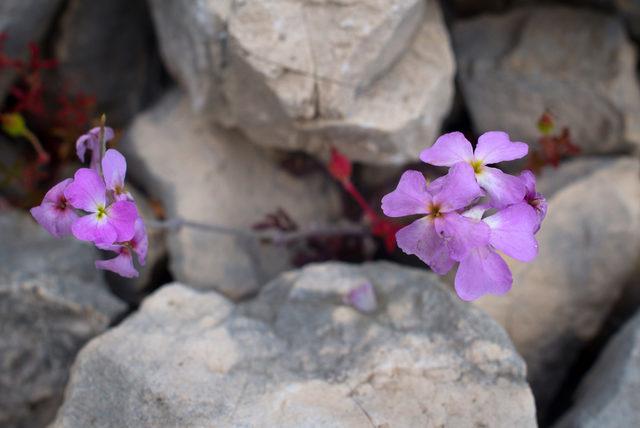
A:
x: 227, y: 112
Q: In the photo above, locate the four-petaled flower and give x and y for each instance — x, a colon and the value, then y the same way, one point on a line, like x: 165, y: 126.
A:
x: 105, y: 224
x: 55, y: 214
x: 493, y: 147
x: 443, y: 236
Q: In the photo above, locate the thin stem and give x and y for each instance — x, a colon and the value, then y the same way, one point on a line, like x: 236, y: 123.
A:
x: 103, y: 143
x: 35, y: 142
x: 276, y: 237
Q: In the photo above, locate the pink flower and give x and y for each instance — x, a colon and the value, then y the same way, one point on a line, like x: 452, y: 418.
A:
x: 122, y: 264
x: 442, y: 236
x: 91, y: 141
x: 492, y: 147
x: 483, y: 271
x: 55, y: 214
x: 105, y: 224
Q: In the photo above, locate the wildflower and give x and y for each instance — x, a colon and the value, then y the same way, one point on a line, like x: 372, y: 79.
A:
x: 533, y: 198
x: 105, y: 224
x: 55, y: 214
x: 91, y: 141
x: 122, y: 264
x: 114, y: 169
x: 442, y: 236
x: 492, y: 147
x: 362, y: 298
x: 483, y: 270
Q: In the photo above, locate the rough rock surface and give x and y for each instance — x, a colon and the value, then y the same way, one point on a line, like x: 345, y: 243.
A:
x: 210, y: 176
x: 372, y: 77
x: 578, y: 63
x: 608, y: 397
x: 107, y: 49
x: 52, y: 300
x: 23, y: 21
x: 297, y: 356
x: 589, y: 244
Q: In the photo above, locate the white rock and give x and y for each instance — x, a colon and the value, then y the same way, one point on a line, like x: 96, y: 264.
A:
x: 372, y: 77
x: 298, y: 357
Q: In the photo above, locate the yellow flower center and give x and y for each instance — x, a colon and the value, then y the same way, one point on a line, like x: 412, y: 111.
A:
x: 477, y: 166
x: 102, y: 212
x: 434, y: 211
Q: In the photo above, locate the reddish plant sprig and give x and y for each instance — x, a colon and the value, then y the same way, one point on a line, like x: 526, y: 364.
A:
x: 341, y: 168
x: 553, y: 148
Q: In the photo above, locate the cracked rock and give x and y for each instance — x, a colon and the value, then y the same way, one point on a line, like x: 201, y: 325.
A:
x: 372, y: 77
x: 297, y: 356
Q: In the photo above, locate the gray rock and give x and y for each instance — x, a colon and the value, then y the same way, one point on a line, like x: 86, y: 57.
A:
x: 210, y: 176
x: 296, y: 356
x: 52, y: 300
x: 371, y: 77
x: 578, y: 63
x: 609, y: 395
x: 23, y: 21
x: 589, y: 246
x: 107, y: 49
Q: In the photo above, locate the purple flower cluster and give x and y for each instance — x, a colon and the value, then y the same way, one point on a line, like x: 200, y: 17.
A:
x: 470, y: 213
x: 94, y: 206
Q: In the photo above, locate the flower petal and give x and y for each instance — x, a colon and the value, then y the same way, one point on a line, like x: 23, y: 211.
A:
x: 482, y: 272
x: 362, y: 298
x: 421, y: 239
x: 87, y: 192
x: 495, y: 146
x: 140, y: 242
x: 54, y: 220
x: 114, y: 169
x: 122, y: 217
x: 410, y: 197
x: 503, y: 189
x: 529, y: 181
x: 535, y: 199
x: 461, y: 234
x: 82, y: 144
x: 90, y: 228
x: 512, y: 231
x: 448, y: 149
x: 122, y: 264
x: 459, y: 188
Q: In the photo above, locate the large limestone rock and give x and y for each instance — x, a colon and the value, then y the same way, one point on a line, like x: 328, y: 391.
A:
x: 210, y: 176
x: 577, y: 63
x: 298, y: 357
x: 52, y: 300
x: 372, y: 77
x: 107, y: 49
x: 589, y: 246
x: 608, y: 397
